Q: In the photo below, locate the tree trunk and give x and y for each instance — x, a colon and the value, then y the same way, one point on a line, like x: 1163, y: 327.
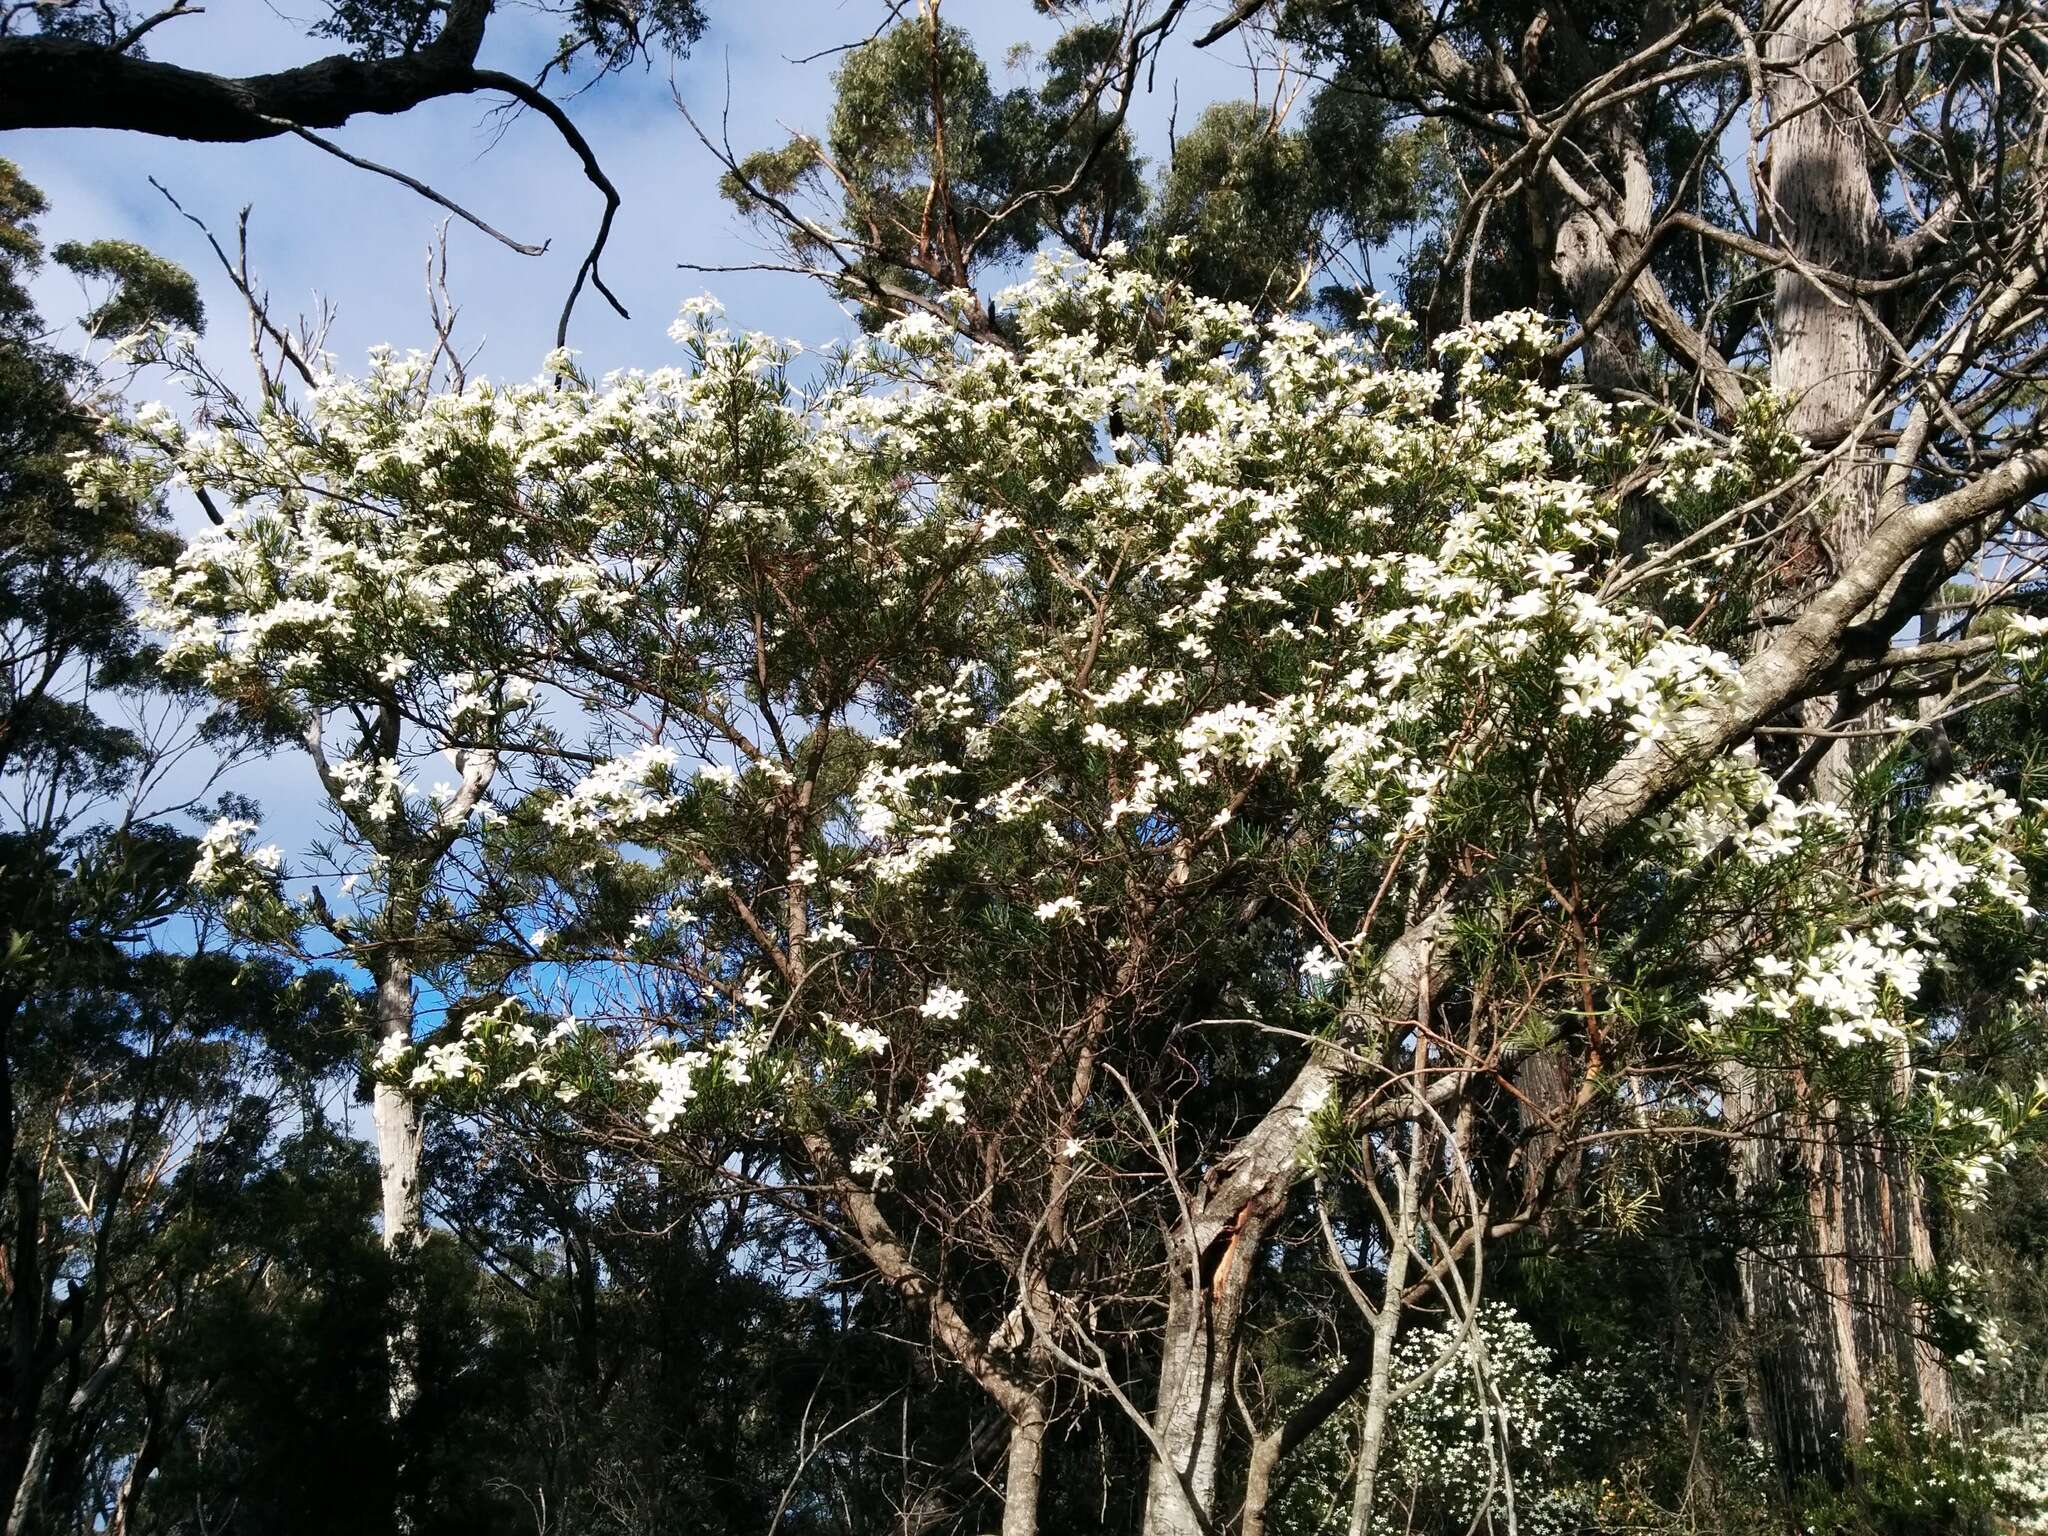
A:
x: 1834, y: 1328
x: 1809, y: 1381
x: 1197, y: 1359
x: 397, y: 1116
x: 1258, y: 1484
x: 1820, y: 206
x: 1193, y: 1373
x: 1025, y: 1470
x: 1386, y: 1323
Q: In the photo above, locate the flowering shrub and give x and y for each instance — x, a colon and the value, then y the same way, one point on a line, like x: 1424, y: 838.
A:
x: 1489, y: 1424
x: 942, y: 771
x: 2019, y: 1472
x: 1484, y: 1421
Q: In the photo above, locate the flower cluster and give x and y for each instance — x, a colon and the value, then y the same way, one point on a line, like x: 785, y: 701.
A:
x: 1483, y: 1404
x: 1857, y: 985
x: 227, y: 869
x: 945, y: 1096
x: 617, y: 795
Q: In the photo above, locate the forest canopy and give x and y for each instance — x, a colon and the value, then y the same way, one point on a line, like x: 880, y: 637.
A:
x: 1336, y: 828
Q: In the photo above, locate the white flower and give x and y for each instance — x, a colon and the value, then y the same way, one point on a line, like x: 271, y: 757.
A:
x: 1059, y: 907
x: 1726, y: 1002
x: 865, y: 1040
x: 872, y: 1162
x: 943, y: 1095
x: 1319, y: 965
x: 944, y: 1002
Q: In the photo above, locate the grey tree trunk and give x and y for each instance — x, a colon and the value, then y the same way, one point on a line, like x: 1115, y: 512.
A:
x: 1024, y: 1473
x: 1386, y: 1323
x: 1833, y: 1326
x: 1193, y: 1376
x: 397, y: 1116
x: 1197, y: 1359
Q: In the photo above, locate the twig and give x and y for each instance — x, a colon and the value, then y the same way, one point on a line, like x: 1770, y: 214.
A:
x: 413, y: 182
x: 513, y: 86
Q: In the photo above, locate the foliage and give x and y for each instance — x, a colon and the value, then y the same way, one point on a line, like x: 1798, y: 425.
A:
x: 1057, y: 894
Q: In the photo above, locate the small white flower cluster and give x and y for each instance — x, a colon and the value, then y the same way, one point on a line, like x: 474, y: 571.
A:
x: 914, y: 828
x: 1320, y: 966
x: 1856, y: 985
x: 616, y: 795
x: 1653, y: 692
x: 674, y: 1080
x: 676, y: 1076
x: 1983, y: 1137
x: 225, y: 866
x: 1964, y: 853
x: 2022, y: 634
x: 944, y: 1096
x: 220, y: 847
x: 864, y: 1039
x: 501, y: 1047
x: 872, y: 1162
x: 373, y: 788
x: 1736, y: 802
x: 944, y: 1002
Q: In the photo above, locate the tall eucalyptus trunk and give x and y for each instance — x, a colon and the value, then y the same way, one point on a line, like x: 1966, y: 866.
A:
x: 1836, y: 1332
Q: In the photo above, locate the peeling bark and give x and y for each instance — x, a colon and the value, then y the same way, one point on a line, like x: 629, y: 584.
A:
x: 1197, y: 1359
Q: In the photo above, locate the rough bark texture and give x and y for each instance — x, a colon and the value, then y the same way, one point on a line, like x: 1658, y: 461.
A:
x: 1196, y: 1363
x: 1808, y: 1388
x: 1834, y: 1328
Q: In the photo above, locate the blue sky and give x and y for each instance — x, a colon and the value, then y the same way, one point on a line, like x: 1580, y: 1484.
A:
x: 322, y: 227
